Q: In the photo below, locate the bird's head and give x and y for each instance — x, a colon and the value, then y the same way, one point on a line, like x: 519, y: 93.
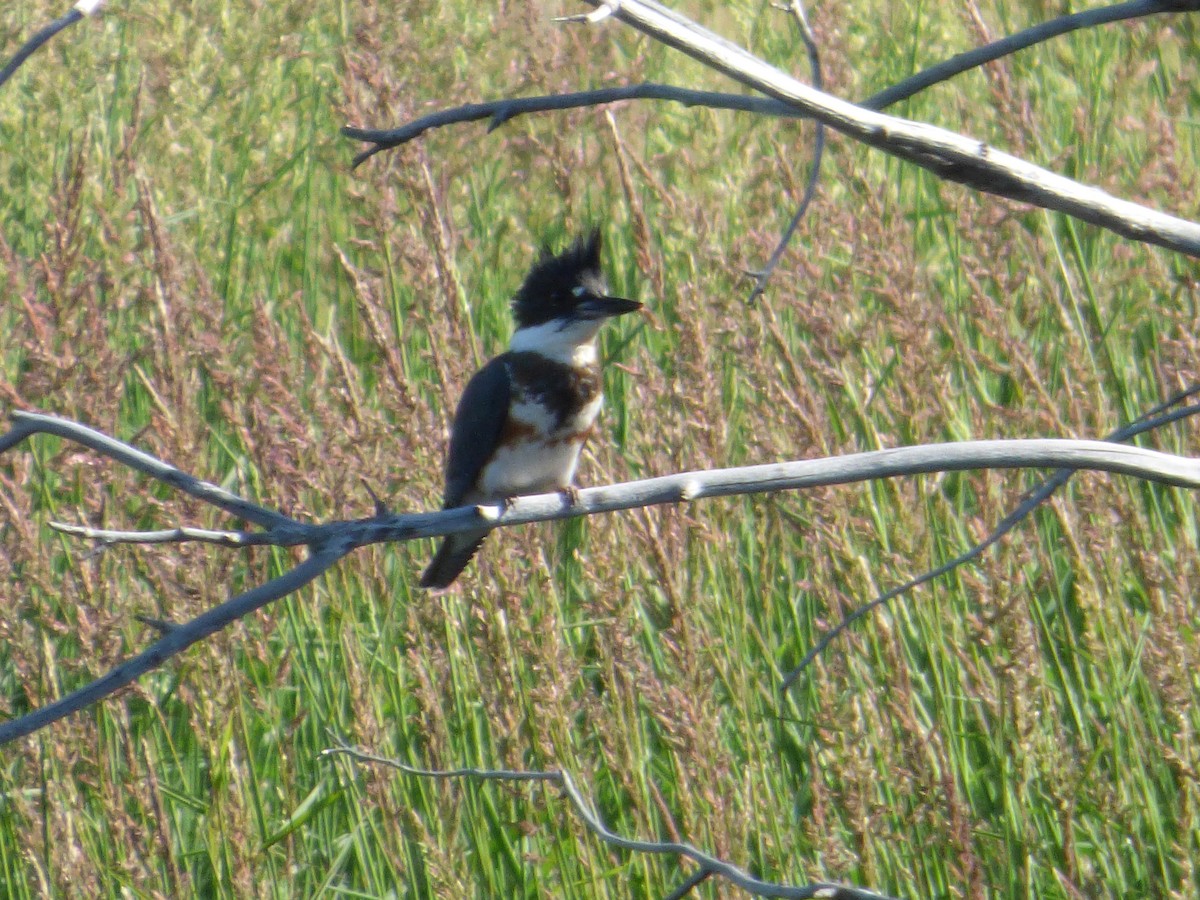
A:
x: 567, y: 293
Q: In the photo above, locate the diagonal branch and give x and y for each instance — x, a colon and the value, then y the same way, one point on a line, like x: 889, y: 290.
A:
x: 709, y: 865
x: 810, y: 189
x: 175, y: 641
x: 26, y: 424
x: 1035, y: 34
x: 948, y: 155
x: 500, y: 111
x: 1033, y: 499
x: 77, y: 12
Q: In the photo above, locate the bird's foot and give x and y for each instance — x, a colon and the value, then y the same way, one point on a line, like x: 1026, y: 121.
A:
x: 570, y: 495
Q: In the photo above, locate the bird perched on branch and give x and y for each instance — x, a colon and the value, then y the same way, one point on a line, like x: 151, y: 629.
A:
x: 525, y: 416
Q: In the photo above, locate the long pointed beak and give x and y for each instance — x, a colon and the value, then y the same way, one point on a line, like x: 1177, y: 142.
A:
x: 597, y: 307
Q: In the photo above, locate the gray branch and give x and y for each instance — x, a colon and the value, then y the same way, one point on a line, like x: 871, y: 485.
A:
x: 1047, y: 453
x: 583, y: 809
x: 1033, y: 499
x: 1036, y: 34
x: 76, y: 13
x: 331, y: 541
x: 175, y: 640
x: 178, y: 535
x: 946, y: 154
x: 26, y: 424
x: 498, y: 112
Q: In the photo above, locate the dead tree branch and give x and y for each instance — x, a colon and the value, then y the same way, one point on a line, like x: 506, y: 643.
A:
x: 329, y: 542
x: 1032, y: 500
x: 498, y: 112
x: 948, y: 155
x: 175, y: 640
x: 709, y: 865
x: 78, y: 11
x: 814, y: 175
x: 1035, y: 34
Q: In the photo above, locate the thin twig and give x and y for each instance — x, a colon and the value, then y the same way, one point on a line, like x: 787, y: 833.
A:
x: 500, y: 111
x: 1033, y: 499
x: 814, y: 174
x: 167, y: 536
x: 1036, y: 34
x: 709, y: 865
x: 696, y: 879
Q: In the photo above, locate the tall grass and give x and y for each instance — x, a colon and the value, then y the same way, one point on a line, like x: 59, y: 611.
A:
x: 189, y: 263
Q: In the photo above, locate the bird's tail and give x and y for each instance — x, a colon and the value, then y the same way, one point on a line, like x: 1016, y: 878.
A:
x: 452, y: 557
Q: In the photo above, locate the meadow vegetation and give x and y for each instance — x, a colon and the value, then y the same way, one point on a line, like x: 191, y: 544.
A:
x: 188, y: 262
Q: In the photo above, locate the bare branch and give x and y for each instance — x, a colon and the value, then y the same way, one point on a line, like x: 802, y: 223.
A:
x: 29, y: 423
x: 1033, y: 499
x: 944, y: 71
x: 1151, y: 465
x: 710, y: 865
x: 176, y: 640
x: 77, y: 12
x: 500, y: 111
x: 331, y: 541
x: 1101, y: 456
x: 810, y: 189
x: 697, y: 878
x: 948, y: 155
x: 166, y: 535
x: 1036, y: 34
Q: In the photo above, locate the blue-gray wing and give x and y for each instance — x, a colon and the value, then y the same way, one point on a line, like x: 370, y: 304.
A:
x: 478, y: 423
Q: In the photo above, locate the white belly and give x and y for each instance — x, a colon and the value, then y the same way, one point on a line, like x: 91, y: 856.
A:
x: 538, y: 462
x: 530, y: 467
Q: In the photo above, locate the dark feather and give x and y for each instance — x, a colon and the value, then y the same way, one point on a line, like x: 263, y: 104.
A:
x: 452, y: 557
x: 547, y: 291
x: 478, y: 423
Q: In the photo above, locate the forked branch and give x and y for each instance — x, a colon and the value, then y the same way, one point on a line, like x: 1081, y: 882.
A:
x: 330, y: 542
x: 946, y: 154
x: 951, y: 156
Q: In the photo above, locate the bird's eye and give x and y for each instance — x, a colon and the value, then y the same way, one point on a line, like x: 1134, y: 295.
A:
x: 578, y: 290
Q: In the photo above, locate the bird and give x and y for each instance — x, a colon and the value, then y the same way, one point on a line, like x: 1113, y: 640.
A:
x: 524, y: 417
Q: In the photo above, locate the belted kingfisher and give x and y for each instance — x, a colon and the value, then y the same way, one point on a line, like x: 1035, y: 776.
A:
x: 525, y: 415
